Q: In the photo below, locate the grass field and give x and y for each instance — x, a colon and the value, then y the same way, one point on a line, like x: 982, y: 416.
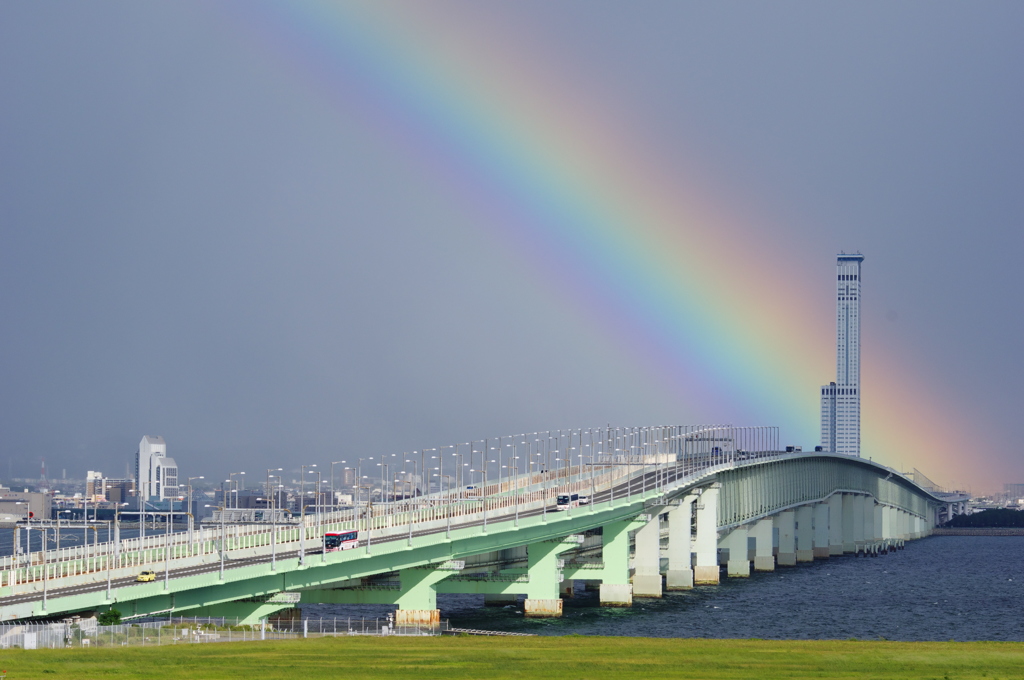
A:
x: 561, y: 658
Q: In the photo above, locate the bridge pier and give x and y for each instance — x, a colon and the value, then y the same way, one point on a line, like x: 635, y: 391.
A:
x: 647, y: 558
x: 835, y: 524
x: 869, y: 525
x: 616, y: 590
x: 706, y: 571
x: 417, y: 600
x: 821, y: 531
x: 680, y: 546
x: 805, y: 533
x: 764, y: 554
x: 735, y: 542
x: 785, y: 522
x: 849, y: 523
x: 542, y: 592
x: 858, y: 522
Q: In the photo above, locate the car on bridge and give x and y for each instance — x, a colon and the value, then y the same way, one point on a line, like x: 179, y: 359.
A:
x: 147, y: 575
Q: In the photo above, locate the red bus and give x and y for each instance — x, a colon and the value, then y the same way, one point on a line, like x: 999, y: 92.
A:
x: 341, y: 540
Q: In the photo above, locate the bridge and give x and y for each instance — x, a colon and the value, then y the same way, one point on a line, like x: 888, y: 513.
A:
x: 655, y: 508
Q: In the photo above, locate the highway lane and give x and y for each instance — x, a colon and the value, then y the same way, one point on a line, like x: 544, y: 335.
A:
x: 623, y: 491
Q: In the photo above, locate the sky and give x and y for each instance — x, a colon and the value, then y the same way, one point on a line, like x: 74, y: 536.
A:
x: 287, y: 233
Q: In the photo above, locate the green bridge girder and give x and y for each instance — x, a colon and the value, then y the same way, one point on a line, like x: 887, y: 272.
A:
x: 747, y: 491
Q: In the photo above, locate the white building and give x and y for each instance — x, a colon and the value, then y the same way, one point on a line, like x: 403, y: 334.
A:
x: 840, y: 401
x: 156, y: 475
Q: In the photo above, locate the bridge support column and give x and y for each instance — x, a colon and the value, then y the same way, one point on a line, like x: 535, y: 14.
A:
x: 764, y: 557
x: 869, y: 525
x: 417, y: 599
x: 616, y: 590
x: 849, y: 523
x: 835, y: 524
x: 821, y: 528
x: 680, y: 546
x: 647, y: 558
x: 785, y: 522
x: 542, y: 600
x: 805, y: 533
x: 706, y: 572
x: 888, y: 530
x: 859, y: 503
x: 739, y: 560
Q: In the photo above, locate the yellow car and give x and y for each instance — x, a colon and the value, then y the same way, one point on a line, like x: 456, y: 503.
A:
x: 146, y: 576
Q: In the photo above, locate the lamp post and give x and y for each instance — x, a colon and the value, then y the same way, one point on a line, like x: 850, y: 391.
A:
x: 191, y: 519
x: 221, y: 508
x: 302, y: 513
x: 334, y: 506
x: 236, y: 485
x: 447, y: 507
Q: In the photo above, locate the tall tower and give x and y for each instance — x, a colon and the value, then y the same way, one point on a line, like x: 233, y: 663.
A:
x: 840, y: 401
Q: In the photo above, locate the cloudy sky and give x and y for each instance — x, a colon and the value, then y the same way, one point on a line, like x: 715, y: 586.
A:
x: 283, y: 233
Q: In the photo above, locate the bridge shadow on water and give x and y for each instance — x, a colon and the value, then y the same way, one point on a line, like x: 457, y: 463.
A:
x: 939, y: 588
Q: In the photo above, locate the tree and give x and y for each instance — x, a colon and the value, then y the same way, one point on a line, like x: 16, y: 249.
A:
x: 111, y: 617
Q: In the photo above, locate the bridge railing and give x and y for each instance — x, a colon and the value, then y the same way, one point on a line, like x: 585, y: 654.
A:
x: 616, y: 458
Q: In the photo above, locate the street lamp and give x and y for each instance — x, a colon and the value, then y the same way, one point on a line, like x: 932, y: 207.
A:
x: 191, y: 519
x: 231, y: 481
x: 333, y: 496
x: 302, y: 512
x: 221, y: 508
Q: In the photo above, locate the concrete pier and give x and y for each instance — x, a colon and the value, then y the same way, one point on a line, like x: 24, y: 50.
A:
x: 542, y: 609
x: 616, y: 590
x: 739, y: 561
x: 821, y: 531
x: 849, y: 523
x: 680, y: 546
x: 859, y: 503
x: 418, y: 617
x: 835, y: 524
x: 647, y: 559
x: 785, y: 522
x: 764, y: 553
x: 616, y: 595
x: 706, y: 570
x: 805, y: 533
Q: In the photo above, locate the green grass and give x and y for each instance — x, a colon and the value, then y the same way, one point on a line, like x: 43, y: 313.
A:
x: 551, y: 658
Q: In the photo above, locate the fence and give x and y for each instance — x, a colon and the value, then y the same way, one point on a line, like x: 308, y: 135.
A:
x: 176, y: 631
x: 612, y: 456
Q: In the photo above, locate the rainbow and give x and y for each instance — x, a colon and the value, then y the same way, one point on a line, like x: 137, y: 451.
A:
x: 650, y: 258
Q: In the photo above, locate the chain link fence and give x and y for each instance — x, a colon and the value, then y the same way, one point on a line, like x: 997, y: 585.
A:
x: 175, y: 631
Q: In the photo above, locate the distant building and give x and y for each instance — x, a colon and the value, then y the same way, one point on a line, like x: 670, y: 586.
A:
x: 840, y: 401
x: 156, y: 475
x: 24, y: 504
x: 99, y: 488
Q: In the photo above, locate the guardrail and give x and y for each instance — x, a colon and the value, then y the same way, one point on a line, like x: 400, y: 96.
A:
x: 614, y: 457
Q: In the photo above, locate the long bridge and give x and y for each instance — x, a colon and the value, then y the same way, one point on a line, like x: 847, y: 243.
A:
x: 665, y: 507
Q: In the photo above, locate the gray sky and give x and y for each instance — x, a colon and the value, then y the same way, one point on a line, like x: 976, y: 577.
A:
x: 207, y: 233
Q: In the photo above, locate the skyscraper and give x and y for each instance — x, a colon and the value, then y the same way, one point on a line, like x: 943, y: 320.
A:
x: 156, y: 475
x: 840, y: 401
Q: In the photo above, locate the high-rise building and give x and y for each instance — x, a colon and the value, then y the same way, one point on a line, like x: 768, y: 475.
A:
x: 840, y: 400
x: 156, y: 475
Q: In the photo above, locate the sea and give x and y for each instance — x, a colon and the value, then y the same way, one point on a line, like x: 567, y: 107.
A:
x: 938, y: 588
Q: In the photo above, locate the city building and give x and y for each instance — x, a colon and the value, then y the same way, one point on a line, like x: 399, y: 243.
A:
x: 156, y: 475
x: 840, y: 400
x: 99, y: 489
x: 24, y: 504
